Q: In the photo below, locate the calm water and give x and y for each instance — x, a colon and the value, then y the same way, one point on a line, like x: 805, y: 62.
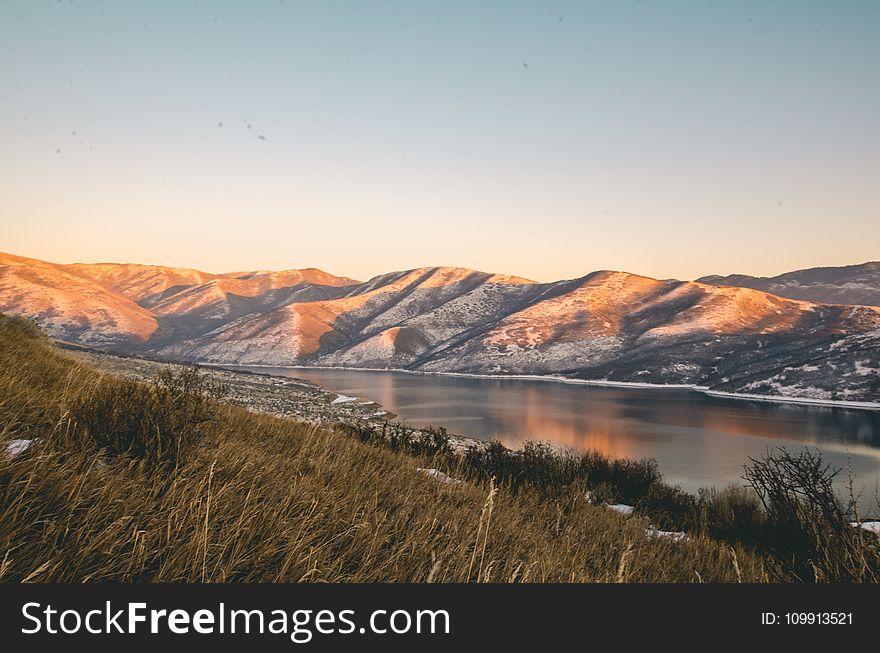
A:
x: 696, y: 439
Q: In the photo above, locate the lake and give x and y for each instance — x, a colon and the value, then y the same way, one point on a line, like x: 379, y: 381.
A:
x: 697, y: 440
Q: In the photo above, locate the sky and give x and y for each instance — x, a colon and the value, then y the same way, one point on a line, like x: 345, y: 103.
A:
x: 543, y: 139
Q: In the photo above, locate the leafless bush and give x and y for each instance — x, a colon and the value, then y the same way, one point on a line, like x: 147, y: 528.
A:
x: 808, y: 527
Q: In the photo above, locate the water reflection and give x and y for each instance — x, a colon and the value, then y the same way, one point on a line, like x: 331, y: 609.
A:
x: 697, y: 440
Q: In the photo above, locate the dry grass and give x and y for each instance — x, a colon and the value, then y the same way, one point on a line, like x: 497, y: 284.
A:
x: 259, y: 498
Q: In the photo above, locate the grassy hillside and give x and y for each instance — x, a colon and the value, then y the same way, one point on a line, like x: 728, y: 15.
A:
x: 163, y: 482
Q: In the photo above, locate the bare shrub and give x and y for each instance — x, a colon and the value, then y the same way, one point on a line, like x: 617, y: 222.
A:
x: 808, y: 527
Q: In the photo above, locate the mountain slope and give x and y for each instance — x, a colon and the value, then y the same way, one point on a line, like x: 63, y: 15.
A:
x: 622, y: 327
x: 609, y: 326
x: 324, y: 330
x: 850, y: 284
x: 147, y: 284
x: 131, y: 305
x: 71, y: 306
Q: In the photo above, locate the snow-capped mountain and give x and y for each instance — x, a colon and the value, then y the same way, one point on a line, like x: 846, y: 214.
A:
x: 849, y: 284
x: 607, y: 325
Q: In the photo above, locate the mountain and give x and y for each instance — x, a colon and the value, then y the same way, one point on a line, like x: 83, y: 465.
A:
x: 71, y: 306
x: 850, y: 284
x: 132, y: 307
x: 388, y: 321
x: 607, y: 325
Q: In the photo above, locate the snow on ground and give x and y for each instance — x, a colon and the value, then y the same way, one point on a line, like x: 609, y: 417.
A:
x: 864, y: 367
x: 650, y: 532
x: 17, y: 447
x: 622, y: 508
x: 870, y: 526
x: 867, y: 405
x: 438, y: 476
x: 343, y: 399
x: 675, y: 536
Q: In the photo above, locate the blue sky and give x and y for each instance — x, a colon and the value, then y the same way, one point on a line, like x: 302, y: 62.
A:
x: 543, y: 139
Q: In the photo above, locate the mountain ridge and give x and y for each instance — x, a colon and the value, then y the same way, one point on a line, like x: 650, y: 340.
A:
x: 606, y: 325
x: 846, y: 284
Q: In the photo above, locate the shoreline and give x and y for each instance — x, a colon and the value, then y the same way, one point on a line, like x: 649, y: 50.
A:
x: 804, y: 401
